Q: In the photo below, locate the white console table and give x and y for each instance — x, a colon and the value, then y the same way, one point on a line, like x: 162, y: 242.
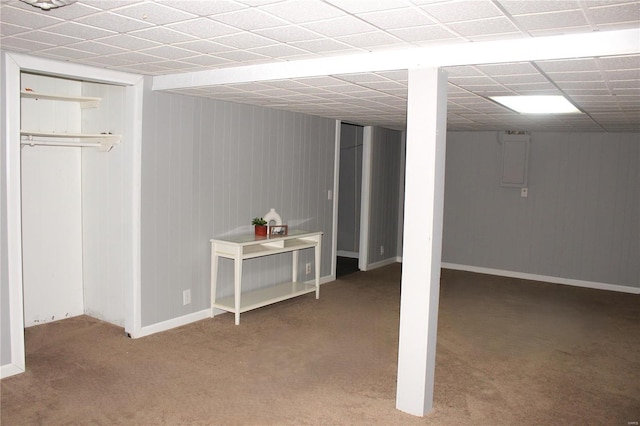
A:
x: 248, y: 246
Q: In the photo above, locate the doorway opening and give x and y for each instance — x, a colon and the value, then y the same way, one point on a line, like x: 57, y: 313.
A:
x: 350, y: 204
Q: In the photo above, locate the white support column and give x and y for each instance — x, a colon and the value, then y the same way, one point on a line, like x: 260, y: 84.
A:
x: 423, y: 211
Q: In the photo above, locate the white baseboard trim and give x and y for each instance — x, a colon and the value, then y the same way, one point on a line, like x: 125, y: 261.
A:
x: 9, y: 370
x: 197, y: 316
x: 351, y: 254
x: 172, y: 323
x: 543, y: 278
x: 381, y: 263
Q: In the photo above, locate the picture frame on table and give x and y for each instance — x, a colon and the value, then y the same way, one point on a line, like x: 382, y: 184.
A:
x: 278, y: 230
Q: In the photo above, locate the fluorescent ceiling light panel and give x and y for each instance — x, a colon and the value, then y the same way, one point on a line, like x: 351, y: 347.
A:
x: 537, y: 104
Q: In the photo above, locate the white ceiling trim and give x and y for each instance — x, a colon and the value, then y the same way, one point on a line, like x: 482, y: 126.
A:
x: 607, y: 43
x: 66, y: 69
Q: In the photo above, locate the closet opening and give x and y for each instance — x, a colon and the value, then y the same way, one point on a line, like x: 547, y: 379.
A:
x: 72, y: 204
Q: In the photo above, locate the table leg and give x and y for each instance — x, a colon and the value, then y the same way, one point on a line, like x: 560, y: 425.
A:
x: 214, y: 276
x: 237, y: 288
x: 318, y: 253
x: 295, y: 266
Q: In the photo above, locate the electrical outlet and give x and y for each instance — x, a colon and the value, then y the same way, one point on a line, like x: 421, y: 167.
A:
x: 186, y: 297
x: 381, y: 250
x: 308, y: 268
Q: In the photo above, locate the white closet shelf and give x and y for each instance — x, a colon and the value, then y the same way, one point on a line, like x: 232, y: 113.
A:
x: 104, y: 142
x: 84, y: 101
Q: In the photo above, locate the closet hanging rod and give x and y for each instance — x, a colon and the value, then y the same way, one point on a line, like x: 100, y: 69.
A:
x: 102, y: 142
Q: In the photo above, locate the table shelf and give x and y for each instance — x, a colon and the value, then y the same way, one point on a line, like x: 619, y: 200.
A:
x: 265, y: 296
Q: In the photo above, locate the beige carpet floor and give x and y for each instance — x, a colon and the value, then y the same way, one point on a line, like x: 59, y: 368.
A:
x: 510, y: 352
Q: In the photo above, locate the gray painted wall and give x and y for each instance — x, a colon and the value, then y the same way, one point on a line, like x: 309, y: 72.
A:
x: 580, y: 220
x: 208, y: 168
x: 5, y: 340
x: 350, y: 188
x: 386, y: 175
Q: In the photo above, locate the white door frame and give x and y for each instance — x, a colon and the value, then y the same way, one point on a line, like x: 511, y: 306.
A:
x: 15, y: 63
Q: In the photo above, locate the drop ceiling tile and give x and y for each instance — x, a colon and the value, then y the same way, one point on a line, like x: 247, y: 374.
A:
x: 136, y: 57
x: 470, y: 80
x: 114, y: 22
x: 128, y: 42
x: 400, y: 92
x: 397, y: 18
x: 249, y: 19
x: 359, y: 6
x: 74, y: 29
x: 300, y: 11
x: 289, y: 34
x: 286, y: 84
x: 624, y: 85
x: 553, y: 20
x: 361, y: 77
x: 567, y: 65
x: 7, y: 29
x: 396, y: 75
x: 484, y: 27
x: 96, y: 48
x: 206, y: 60
x: 516, y: 68
x: 614, y: 13
x: 168, y: 52
x: 623, y: 75
x: 372, y: 41
x: 463, y: 10
x: 33, y: 18
x: 520, y: 79
x: 206, y: 8
x: 203, y: 28
x: 280, y: 50
x: 244, y: 40
x: 21, y: 45
x: 257, y: 3
x: 240, y: 56
x: 155, y: 13
x: 50, y: 38
x: 324, y: 46
x: 519, y: 7
x: 162, y: 35
x: 426, y: 35
x: 577, y: 85
x: 203, y: 46
x: 385, y: 86
x: 533, y: 88
x: 575, y: 76
x: 342, y: 26
x: 627, y: 62
x: 66, y: 53
x: 176, y: 65
x: 107, y: 61
x: 151, y: 69
x: 109, y: 4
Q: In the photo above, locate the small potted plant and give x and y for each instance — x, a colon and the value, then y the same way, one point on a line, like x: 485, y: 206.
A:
x: 261, y: 226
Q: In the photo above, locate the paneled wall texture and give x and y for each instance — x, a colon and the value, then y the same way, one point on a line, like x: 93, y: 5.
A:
x: 579, y: 221
x: 208, y: 168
